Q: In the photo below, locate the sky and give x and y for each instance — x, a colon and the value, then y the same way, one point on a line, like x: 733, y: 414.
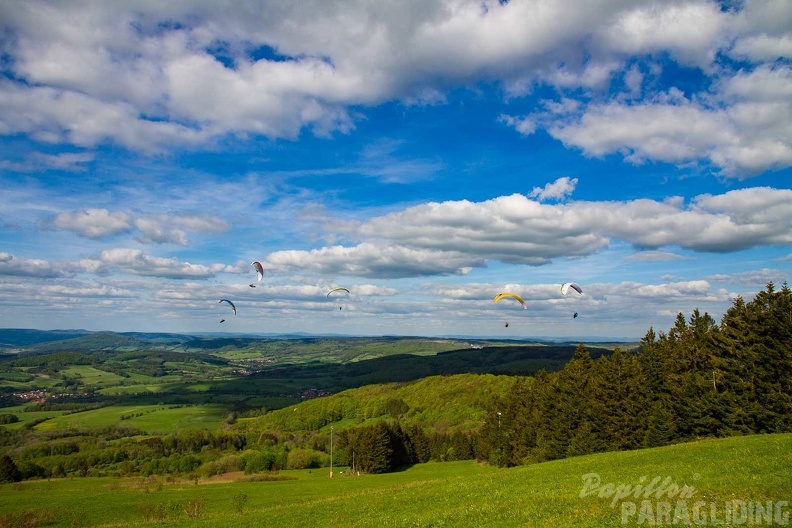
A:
x: 426, y: 155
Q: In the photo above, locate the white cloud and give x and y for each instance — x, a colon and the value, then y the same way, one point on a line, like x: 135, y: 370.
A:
x: 375, y: 260
x: 690, y: 31
x: 159, y: 229
x: 164, y: 229
x: 149, y: 75
x: 94, y: 223
x: 558, y: 190
x: 764, y: 47
x: 524, y: 125
x: 59, y: 116
x: 653, y: 256
x: 754, y: 279
x: 134, y: 261
x: 453, y: 236
x: 25, y: 267
x: 745, y: 131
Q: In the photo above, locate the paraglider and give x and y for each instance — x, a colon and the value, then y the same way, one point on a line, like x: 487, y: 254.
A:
x: 519, y: 299
x: 222, y: 320
x: 252, y: 285
x: 565, y: 289
x: 335, y: 290
x: 259, y: 269
x: 229, y: 302
x: 506, y: 324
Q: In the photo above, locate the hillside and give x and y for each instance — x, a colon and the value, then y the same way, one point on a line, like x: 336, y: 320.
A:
x: 23, y: 337
x: 436, y: 403
x: 550, y: 494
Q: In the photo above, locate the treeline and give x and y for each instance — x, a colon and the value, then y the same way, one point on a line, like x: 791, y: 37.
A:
x: 701, y: 379
x: 386, y: 446
x: 118, y: 451
x: 54, y: 362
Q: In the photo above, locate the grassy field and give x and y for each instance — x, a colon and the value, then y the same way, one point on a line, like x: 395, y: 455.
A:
x: 713, y: 473
x: 149, y: 418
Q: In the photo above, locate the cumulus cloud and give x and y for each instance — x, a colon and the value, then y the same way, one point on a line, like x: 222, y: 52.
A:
x: 754, y: 279
x: 25, y: 267
x: 134, y: 261
x: 159, y: 229
x: 454, y: 236
x: 742, y: 128
x: 376, y: 260
x: 149, y: 76
x: 558, y: 190
x: 94, y: 223
x: 163, y: 229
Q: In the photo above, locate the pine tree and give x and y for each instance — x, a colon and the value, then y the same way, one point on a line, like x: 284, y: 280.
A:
x: 9, y: 472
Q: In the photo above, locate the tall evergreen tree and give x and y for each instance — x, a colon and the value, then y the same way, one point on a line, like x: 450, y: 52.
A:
x: 9, y: 472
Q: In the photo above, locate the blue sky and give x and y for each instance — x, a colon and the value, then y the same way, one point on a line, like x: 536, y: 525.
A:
x: 425, y: 155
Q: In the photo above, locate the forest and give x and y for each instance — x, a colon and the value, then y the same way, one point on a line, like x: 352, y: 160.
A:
x: 700, y: 379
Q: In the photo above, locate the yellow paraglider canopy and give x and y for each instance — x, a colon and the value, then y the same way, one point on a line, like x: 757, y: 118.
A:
x: 502, y: 295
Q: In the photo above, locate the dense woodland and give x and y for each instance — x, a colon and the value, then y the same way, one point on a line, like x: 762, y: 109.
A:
x: 700, y: 379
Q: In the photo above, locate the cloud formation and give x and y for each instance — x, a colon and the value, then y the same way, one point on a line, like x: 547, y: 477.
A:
x: 558, y: 190
x: 136, y: 262
x: 160, y: 229
x: 455, y: 236
x: 145, y: 76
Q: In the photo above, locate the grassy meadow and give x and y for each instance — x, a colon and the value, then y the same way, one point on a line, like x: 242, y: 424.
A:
x: 719, y: 471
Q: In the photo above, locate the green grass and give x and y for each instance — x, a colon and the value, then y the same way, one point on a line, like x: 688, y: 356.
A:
x: 25, y: 417
x: 149, y: 418
x: 91, y: 375
x: 753, y: 468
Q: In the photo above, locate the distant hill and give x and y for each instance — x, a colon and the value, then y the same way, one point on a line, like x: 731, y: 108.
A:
x: 92, y: 342
x: 45, y: 341
x: 507, y: 359
x: 23, y: 337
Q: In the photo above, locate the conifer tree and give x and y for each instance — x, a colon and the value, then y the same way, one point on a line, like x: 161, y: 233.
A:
x: 9, y: 472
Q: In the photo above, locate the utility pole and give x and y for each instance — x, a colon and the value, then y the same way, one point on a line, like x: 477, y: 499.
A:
x: 331, y: 451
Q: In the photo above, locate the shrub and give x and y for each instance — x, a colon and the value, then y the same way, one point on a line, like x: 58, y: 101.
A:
x: 194, y: 507
x: 239, y: 501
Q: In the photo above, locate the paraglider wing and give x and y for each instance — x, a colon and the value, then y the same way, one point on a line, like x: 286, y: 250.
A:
x: 335, y: 290
x: 229, y: 302
x: 222, y: 320
x: 259, y: 269
x: 519, y: 299
x: 565, y: 287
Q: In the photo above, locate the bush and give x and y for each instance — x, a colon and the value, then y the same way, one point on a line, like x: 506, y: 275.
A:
x: 226, y: 464
x: 161, y: 512
x: 8, y: 418
x: 306, y: 458
x: 194, y: 507
x: 239, y: 502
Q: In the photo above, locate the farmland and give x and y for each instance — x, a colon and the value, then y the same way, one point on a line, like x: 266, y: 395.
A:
x: 165, y: 382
